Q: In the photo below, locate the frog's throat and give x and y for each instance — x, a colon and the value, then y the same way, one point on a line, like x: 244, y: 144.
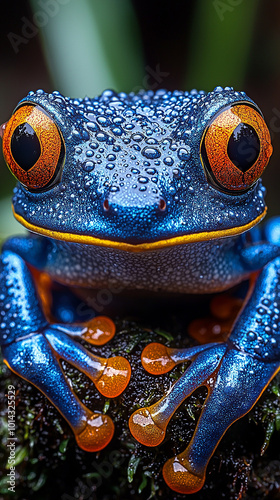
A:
x: 140, y: 247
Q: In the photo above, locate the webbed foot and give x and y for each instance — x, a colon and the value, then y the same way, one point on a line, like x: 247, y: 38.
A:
x: 33, y: 348
x: 234, y: 381
x: 235, y: 372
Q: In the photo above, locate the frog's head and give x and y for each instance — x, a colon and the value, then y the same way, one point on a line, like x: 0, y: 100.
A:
x: 138, y: 171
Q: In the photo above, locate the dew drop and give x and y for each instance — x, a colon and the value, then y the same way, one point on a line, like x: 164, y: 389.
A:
x: 184, y: 153
x: 143, y: 180
x: 150, y: 153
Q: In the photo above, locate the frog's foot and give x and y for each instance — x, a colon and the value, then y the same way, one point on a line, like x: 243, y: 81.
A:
x: 234, y: 379
x: 32, y: 349
x: 96, y: 331
x: 36, y: 359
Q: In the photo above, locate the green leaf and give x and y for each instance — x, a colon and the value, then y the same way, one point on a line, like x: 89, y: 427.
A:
x: 40, y: 482
x: 228, y: 28
x: 143, y: 484
x: 276, y: 390
x: 132, y: 467
x: 63, y: 445
x: 106, y: 406
x: 88, y: 45
x: 20, y: 454
x: 4, y: 485
x: 277, y: 421
x: 268, y: 434
x: 164, y: 334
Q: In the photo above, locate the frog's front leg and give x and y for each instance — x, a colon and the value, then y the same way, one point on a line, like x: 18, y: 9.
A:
x: 235, y: 373
x: 32, y: 348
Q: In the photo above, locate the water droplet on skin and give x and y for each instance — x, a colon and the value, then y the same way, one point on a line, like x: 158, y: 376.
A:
x: 137, y: 137
x: 184, y: 153
x: 102, y: 120
x: 150, y: 153
x: 101, y: 137
x: 117, y: 131
x: 143, y: 180
x: 176, y: 173
x: 88, y: 166
x: 111, y: 157
x: 118, y: 119
x: 151, y: 171
x: 252, y: 335
x: 168, y: 161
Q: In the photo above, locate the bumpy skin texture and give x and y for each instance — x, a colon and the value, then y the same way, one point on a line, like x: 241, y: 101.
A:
x: 132, y: 206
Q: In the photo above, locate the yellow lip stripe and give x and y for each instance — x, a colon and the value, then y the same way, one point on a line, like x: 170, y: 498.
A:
x: 141, y: 247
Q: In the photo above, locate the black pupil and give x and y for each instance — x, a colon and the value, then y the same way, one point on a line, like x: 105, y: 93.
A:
x: 243, y: 146
x: 25, y: 146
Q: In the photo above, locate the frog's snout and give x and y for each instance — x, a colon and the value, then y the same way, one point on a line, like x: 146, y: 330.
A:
x: 110, y: 206
x: 131, y: 221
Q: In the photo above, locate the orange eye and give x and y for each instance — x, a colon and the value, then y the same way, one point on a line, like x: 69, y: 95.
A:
x: 33, y: 147
x: 236, y: 147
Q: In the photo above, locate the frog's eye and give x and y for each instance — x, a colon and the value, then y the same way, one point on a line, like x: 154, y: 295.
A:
x: 33, y: 147
x: 236, y: 147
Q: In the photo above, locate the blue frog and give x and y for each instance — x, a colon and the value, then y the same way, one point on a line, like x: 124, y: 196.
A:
x: 156, y: 191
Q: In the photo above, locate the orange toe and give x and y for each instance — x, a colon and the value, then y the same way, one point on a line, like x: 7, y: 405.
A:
x: 144, y: 429
x: 156, y: 360
x: 97, y: 433
x: 99, y: 330
x: 114, y: 378
x: 179, y: 478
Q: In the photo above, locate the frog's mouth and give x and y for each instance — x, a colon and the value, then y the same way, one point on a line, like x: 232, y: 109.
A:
x: 139, y: 247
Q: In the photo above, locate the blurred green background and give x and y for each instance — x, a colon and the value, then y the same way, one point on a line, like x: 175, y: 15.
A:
x: 82, y: 47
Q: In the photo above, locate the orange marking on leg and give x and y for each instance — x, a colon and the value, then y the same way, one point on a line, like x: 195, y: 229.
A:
x: 156, y: 359
x: 115, y: 377
x: 99, y: 330
x: 43, y: 284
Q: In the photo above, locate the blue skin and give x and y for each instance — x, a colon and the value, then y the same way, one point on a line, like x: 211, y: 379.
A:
x: 124, y: 155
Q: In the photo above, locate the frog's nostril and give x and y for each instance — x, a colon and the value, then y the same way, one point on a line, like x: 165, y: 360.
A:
x: 162, y: 204
x: 106, y: 205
